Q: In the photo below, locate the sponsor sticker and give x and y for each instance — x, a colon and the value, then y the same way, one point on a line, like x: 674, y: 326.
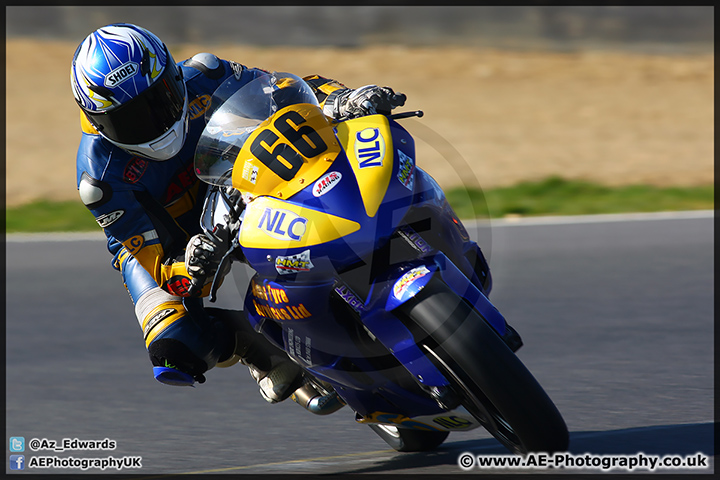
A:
x: 157, y: 318
x: 326, y: 183
x: 282, y: 224
x: 109, y: 218
x: 121, y: 74
x: 406, y: 170
x: 197, y: 107
x: 407, y: 280
x: 272, y: 302
x: 295, y: 346
x: 180, y: 184
x: 453, y: 422
x: 414, y: 239
x: 369, y: 148
x: 250, y: 172
x: 350, y: 298
x: 294, y: 263
x: 179, y: 285
x: 134, y: 169
x: 237, y: 69
x: 134, y: 244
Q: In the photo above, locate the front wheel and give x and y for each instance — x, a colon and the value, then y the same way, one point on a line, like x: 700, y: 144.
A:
x: 492, y: 382
x: 408, y: 439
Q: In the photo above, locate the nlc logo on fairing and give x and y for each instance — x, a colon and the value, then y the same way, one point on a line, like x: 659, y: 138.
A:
x: 282, y: 224
x: 369, y: 148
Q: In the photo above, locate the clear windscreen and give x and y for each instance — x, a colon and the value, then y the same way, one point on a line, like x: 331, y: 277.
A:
x: 235, y: 111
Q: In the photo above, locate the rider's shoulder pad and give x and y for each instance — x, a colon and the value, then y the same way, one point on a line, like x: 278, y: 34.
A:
x: 94, y: 193
x: 207, y: 63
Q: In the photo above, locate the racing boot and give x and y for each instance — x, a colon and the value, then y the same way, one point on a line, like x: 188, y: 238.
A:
x: 276, y: 375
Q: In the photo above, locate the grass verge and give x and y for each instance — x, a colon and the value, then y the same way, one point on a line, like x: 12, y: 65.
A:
x: 553, y: 196
x: 45, y: 216
x: 557, y: 196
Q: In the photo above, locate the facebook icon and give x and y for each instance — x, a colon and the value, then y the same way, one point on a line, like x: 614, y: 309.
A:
x: 17, y: 462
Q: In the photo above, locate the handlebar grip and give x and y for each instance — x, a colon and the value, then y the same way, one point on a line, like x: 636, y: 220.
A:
x: 398, y: 100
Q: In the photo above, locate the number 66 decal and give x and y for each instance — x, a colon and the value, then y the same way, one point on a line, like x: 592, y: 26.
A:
x: 284, y: 160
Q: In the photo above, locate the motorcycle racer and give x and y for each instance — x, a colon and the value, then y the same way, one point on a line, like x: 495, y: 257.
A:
x: 141, y: 117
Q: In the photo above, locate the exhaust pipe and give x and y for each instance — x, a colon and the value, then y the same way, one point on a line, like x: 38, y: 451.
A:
x: 315, y: 401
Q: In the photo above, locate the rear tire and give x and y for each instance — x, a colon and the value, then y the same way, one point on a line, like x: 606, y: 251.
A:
x: 408, y: 439
x: 492, y: 382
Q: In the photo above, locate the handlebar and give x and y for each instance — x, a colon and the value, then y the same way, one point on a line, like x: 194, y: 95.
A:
x: 399, y: 116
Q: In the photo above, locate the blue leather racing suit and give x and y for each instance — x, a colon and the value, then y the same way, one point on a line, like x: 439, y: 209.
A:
x: 149, y: 210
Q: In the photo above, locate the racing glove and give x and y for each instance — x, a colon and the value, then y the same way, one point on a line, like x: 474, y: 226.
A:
x: 202, y: 257
x: 368, y: 100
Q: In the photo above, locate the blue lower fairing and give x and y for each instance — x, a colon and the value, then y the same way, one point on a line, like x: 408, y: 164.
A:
x: 321, y: 332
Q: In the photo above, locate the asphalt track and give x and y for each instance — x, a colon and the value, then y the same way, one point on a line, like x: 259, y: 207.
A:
x: 616, y: 314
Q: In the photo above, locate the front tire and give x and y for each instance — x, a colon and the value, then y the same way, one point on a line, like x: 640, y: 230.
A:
x: 492, y: 382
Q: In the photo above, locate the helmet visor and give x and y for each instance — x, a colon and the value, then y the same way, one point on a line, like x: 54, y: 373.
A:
x: 147, y: 116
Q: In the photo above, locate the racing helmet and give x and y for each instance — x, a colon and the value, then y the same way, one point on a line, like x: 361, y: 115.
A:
x: 129, y: 87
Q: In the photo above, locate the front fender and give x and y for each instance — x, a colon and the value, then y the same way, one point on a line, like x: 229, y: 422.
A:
x: 414, y: 279
x: 404, y: 284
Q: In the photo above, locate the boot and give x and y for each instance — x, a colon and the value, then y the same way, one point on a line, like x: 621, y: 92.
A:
x: 280, y: 382
x: 275, y: 373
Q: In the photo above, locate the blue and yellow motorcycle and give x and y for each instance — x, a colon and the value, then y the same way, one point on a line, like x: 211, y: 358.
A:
x: 363, y: 273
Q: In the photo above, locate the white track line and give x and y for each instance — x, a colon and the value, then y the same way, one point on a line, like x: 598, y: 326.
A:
x: 600, y: 218
x: 54, y: 237
x: 495, y: 222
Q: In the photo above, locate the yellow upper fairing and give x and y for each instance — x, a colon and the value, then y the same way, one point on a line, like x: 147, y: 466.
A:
x: 369, y: 148
x: 273, y: 224
x: 286, y: 152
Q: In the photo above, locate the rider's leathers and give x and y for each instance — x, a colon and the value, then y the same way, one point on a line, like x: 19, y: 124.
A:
x: 149, y: 210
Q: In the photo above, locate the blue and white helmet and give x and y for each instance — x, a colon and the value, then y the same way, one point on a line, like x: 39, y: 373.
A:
x: 127, y: 83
